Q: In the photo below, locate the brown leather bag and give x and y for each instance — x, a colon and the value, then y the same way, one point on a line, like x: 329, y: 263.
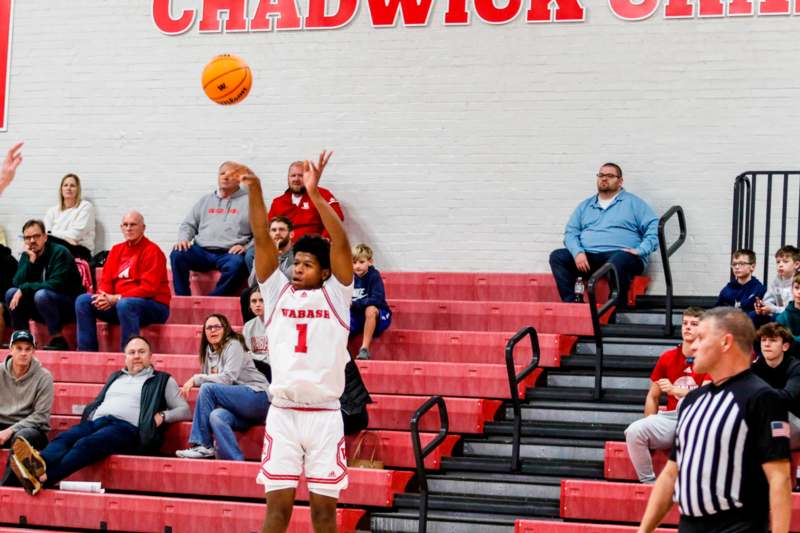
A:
x: 374, y: 460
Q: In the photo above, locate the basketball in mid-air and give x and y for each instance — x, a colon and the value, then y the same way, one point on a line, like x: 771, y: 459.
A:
x: 227, y: 79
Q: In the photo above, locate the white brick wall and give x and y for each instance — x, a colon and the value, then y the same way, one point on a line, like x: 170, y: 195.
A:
x: 457, y: 148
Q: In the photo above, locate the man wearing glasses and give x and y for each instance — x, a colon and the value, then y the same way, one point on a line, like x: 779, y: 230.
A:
x: 613, y: 226
x: 45, y: 285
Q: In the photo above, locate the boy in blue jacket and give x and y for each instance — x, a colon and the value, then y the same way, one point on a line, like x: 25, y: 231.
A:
x: 369, y: 311
x: 744, y: 291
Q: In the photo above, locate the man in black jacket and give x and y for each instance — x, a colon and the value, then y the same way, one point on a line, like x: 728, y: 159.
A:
x: 781, y: 372
x: 127, y: 416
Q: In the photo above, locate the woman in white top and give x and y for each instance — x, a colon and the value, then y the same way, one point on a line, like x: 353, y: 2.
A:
x: 71, y: 222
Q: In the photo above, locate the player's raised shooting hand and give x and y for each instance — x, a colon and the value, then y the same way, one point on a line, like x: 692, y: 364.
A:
x: 10, y: 164
x: 312, y: 172
x: 244, y: 175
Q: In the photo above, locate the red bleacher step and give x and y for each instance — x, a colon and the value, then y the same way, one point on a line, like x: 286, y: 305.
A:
x: 117, y: 512
x: 466, y: 415
x: 618, y: 463
x: 623, y: 502
x: 549, y: 526
x: 226, y: 479
x: 396, y: 448
x: 392, y: 377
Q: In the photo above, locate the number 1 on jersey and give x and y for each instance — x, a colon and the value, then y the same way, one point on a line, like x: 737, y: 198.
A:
x: 302, y: 339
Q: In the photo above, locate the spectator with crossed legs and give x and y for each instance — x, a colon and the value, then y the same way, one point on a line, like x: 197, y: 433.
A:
x: 233, y: 393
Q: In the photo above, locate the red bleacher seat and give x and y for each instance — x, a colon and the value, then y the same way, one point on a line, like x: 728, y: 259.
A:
x: 549, y: 526
x: 606, y: 501
x: 235, y: 479
x: 466, y: 415
x: 396, y: 448
x: 618, y: 464
x: 146, y: 514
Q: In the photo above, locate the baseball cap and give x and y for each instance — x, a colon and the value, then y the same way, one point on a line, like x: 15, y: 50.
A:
x: 22, y: 335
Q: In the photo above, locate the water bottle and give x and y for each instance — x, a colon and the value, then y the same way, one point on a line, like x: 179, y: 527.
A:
x: 579, y: 290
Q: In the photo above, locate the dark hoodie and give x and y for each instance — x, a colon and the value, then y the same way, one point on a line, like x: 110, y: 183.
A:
x: 26, y: 402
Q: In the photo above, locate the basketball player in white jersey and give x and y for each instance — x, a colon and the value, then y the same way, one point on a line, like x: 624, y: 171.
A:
x: 307, y: 321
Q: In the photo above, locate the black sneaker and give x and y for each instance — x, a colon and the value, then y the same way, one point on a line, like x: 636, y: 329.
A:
x: 57, y: 344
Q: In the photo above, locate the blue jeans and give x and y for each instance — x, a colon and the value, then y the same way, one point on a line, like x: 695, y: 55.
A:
x: 231, y: 266
x: 223, y: 409
x: 129, y: 313
x: 250, y: 258
x: 87, y: 443
x: 53, y: 308
x: 562, y: 264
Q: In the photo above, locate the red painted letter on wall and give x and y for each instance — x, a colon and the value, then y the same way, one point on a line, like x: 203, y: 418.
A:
x: 237, y: 18
x: 6, y: 8
x: 317, y: 18
x: 565, y: 10
x: 285, y: 11
x: 411, y: 12
x: 628, y: 10
x: 164, y: 21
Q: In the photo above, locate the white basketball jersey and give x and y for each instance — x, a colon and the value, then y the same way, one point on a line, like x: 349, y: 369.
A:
x: 307, y: 332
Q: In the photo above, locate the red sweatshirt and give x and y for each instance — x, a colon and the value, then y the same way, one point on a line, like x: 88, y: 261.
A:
x: 137, y: 271
x: 304, y: 216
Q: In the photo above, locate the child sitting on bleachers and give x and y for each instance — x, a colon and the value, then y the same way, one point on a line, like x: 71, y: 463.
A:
x: 743, y: 291
x: 369, y: 311
x: 255, y: 334
x: 779, y: 293
x: 790, y: 317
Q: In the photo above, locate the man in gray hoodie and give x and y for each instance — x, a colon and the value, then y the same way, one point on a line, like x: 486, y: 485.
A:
x: 214, y: 236
x: 26, y: 396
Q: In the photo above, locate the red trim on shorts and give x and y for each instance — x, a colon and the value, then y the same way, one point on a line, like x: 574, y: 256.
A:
x: 345, y: 325
x: 343, y: 465
x: 266, y: 454
x: 278, y: 299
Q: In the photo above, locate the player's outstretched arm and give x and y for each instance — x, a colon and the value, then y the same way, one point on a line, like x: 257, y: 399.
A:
x: 266, y: 261
x: 10, y: 164
x: 341, y: 255
x: 660, y: 501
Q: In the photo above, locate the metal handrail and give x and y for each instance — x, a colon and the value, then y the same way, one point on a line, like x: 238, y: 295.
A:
x: 421, y: 453
x: 514, y: 380
x: 666, y: 253
x: 610, y: 271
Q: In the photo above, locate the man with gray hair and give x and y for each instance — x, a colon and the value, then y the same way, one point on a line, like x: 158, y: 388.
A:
x: 729, y: 468
x: 133, y: 291
x: 215, y: 236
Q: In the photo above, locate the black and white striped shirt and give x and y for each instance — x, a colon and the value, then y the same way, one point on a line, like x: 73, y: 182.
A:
x: 725, y: 434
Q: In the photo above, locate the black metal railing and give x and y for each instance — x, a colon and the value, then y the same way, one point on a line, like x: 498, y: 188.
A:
x: 514, y: 380
x: 753, y: 213
x: 421, y: 453
x: 606, y: 271
x: 666, y: 253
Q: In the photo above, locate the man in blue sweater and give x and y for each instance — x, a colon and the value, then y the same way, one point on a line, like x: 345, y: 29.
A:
x: 613, y: 226
x: 369, y: 311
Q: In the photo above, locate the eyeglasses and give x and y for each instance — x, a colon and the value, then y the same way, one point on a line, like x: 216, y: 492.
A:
x: 214, y: 327
x: 609, y: 176
x: 34, y: 237
x: 740, y: 264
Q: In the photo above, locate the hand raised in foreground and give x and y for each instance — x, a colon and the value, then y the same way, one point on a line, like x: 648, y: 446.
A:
x: 10, y: 164
x: 312, y: 173
x: 243, y: 174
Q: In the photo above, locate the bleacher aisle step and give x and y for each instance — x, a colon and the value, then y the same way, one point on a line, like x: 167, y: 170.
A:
x: 406, y: 521
x: 576, y: 394
x: 496, y: 484
x: 536, y: 448
x: 535, y: 467
x: 650, y: 347
x: 612, y: 379
x: 560, y: 430
x: 146, y: 514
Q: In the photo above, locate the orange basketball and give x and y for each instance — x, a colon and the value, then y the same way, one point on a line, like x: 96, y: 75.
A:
x: 227, y: 79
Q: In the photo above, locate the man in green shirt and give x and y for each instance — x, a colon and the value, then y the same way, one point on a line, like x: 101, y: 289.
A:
x: 45, y: 285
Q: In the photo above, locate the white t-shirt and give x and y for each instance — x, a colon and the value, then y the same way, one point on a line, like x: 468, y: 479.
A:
x: 307, y: 332
x: 72, y: 224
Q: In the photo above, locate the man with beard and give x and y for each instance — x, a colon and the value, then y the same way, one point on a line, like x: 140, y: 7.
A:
x: 613, y: 226
x: 296, y: 205
x: 281, y: 232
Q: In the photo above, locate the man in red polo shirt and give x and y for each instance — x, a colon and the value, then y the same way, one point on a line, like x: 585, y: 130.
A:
x: 133, y: 292
x: 295, y: 205
x: 673, y: 376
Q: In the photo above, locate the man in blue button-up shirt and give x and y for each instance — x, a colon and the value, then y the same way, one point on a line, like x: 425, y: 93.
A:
x: 612, y: 226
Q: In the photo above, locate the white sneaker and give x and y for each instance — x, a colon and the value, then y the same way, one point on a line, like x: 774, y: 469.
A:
x: 196, y: 452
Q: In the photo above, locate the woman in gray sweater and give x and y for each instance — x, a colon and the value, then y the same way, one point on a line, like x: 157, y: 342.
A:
x: 233, y: 393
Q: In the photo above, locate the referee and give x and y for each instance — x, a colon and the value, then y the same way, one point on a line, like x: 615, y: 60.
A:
x: 729, y: 468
